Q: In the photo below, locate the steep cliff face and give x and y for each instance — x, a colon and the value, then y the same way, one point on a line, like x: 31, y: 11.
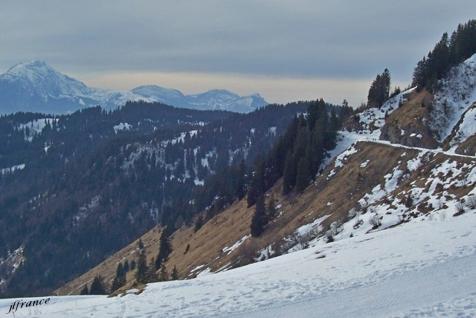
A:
x: 444, y: 119
x: 407, y: 125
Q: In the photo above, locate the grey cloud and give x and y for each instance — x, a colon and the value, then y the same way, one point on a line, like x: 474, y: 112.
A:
x: 293, y: 38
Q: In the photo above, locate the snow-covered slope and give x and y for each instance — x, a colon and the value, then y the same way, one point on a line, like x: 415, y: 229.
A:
x: 456, y: 93
x: 399, y: 272
x: 36, y: 86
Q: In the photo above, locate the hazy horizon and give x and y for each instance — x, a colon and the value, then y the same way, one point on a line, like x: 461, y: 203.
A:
x: 284, y: 50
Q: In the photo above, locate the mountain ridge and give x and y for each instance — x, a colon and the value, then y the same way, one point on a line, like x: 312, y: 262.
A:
x: 35, y: 86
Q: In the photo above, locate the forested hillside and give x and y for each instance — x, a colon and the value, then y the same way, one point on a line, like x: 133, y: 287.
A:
x: 82, y: 185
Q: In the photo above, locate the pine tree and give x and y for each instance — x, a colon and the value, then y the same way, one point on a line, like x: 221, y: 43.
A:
x: 120, y: 278
x: 379, y: 90
x: 447, y: 52
x: 85, y: 290
x: 303, y: 174
x: 241, y: 181
x: 141, y: 271
x: 97, y: 287
x: 259, y: 219
x: 140, y: 245
x: 163, y: 275
x: 174, y: 275
x: 257, y: 186
x: 164, y: 248
x: 198, y: 223
x: 151, y: 275
x: 271, y: 211
x: 289, y: 177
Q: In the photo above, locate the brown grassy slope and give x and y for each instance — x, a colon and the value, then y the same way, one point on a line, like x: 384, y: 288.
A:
x: 410, y: 118
x: 468, y: 147
x: 107, y: 268
x: 334, y: 197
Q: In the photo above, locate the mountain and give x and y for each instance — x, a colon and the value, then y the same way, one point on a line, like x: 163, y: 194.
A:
x: 285, y: 211
x: 100, y: 179
x: 211, y: 100
x: 37, y: 87
x: 400, y: 180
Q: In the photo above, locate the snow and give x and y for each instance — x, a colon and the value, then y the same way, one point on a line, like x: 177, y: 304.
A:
x: 122, y: 126
x: 227, y: 250
x: 397, y: 272
x: 12, y: 169
x: 314, y: 226
x: 35, y: 127
x: 416, y: 162
x: 374, y: 118
x: 364, y: 164
x: 425, y: 267
x: 46, y: 87
x: 467, y: 128
x: 272, y: 130
x: 456, y: 93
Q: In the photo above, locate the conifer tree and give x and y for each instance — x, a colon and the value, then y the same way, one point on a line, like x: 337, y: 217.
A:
x: 379, y: 90
x: 151, y: 275
x: 257, y: 186
x: 271, y: 211
x: 259, y: 219
x: 85, y: 290
x: 141, y: 271
x: 140, y: 244
x: 198, y: 223
x: 126, y: 266
x: 163, y: 275
x: 120, y: 278
x: 164, y: 248
x: 303, y: 175
x: 241, y: 181
x: 174, y: 275
x: 289, y: 177
x: 97, y: 286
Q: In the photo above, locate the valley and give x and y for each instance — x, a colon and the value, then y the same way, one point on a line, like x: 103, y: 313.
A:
x: 153, y: 203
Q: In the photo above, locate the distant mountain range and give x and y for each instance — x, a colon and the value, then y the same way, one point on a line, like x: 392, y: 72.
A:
x: 37, y: 87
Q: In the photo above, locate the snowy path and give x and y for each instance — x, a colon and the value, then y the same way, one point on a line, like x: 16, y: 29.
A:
x: 352, y: 137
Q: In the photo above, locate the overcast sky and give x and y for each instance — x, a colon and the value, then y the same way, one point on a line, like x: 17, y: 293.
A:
x: 285, y: 50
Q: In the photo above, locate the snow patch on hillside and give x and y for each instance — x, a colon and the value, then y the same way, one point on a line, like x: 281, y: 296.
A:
x: 12, y: 169
x: 121, y: 126
x: 228, y: 249
x: 466, y: 128
x: 374, y: 118
x: 456, y: 93
x: 35, y: 127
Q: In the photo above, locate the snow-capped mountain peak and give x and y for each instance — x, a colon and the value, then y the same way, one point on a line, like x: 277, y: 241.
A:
x: 44, y: 79
x: 36, y: 86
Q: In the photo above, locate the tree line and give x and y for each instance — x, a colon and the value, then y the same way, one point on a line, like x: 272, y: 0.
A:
x: 297, y: 157
x: 448, y: 52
